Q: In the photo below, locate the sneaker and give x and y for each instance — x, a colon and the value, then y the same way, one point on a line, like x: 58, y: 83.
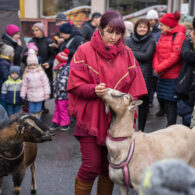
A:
x: 64, y: 128
x: 55, y: 125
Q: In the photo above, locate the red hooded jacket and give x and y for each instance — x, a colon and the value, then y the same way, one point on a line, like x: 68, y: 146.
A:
x: 167, y: 59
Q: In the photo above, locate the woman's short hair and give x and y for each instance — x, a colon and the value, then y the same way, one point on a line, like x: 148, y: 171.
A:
x: 142, y: 21
x: 114, y: 20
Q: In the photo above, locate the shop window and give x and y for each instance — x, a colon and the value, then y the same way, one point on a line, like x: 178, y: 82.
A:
x: 126, y: 7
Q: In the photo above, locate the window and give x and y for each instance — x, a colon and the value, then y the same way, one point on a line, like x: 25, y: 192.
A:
x: 52, y: 7
x: 126, y: 7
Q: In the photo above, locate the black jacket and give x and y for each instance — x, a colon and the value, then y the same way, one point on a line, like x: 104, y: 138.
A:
x: 46, y: 53
x: 188, y: 55
x: 87, y: 30
x: 72, y: 43
x: 143, y: 50
x: 17, y: 48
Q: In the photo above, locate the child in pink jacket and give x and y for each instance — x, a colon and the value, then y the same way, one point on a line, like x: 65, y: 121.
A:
x: 35, y: 84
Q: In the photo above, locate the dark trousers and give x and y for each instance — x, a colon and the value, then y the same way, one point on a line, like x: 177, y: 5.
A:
x: 142, y: 113
x: 170, y: 109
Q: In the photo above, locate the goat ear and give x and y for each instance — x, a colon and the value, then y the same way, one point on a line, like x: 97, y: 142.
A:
x: 107, y: 108
x: 38, y: 114
x: 134, y: 104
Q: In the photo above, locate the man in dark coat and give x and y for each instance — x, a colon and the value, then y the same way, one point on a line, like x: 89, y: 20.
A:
x: 90, y: 26
x: 72, y: 39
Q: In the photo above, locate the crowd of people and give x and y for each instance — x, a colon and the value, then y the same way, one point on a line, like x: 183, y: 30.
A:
x: 76, y: 69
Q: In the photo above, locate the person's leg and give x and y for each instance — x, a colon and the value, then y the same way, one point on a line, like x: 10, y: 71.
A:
x: 56, y: 115
x: 142, y: 113
x: 16, y: 108
x: 9, y: 109
x: 105, y: 184
x: 90, y: 167
x: 64, y: 118
x: 32, y: 107
x: 171, y: 111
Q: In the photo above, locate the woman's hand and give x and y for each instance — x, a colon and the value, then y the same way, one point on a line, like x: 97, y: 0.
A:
x: 45, y: 65
x: 100, y: 89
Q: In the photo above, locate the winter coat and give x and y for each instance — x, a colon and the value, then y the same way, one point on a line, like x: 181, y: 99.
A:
x: 10, y: 92
x: 87, y: 30
x: 143, y: 50
x: 4, y: 71
x: 156, y: 32
x: 35, y: 85
x: 92, y: 64
x: 60, y: 83
x: 3, y: 115
x: 188, y: 54
x: 17, y: 48
x: 167, y: 58
x: 46, y: 53
x: 72, y: 44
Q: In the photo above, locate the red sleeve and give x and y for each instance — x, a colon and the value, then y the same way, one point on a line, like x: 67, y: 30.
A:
x: 174, y: 57
x: 86, y: 91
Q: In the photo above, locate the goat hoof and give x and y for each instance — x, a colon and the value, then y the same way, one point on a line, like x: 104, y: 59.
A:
x: 33, y: 191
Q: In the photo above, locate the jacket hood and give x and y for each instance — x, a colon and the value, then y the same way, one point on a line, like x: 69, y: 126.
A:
x: 177, y: 28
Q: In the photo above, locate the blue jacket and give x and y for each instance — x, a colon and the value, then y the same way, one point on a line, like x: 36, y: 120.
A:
x: 10, y: 92
x: 156, y: 32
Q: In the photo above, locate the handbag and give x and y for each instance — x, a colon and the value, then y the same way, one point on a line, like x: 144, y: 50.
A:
x: 184, y: 80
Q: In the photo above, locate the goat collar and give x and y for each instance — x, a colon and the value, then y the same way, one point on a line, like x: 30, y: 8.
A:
x: 116, y: 138
x: 14, y: 158
x: 124, y: 165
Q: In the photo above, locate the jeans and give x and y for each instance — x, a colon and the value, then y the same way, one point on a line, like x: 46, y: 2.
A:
x: 35, y: 107
x: 12, y: 109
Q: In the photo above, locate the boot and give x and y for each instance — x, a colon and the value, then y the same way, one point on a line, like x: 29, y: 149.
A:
x: 104, y: 186
x: 82, y: 188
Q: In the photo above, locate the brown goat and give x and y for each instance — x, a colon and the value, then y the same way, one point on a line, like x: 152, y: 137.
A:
x: 131, y: 152
x: 18, y: 148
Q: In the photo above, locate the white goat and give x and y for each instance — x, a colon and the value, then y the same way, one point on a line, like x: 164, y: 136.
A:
x: 130, y: 152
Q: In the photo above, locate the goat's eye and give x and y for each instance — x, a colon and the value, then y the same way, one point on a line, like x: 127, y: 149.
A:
x: 126, y: 97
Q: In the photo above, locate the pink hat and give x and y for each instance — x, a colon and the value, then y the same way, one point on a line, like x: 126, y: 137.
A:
x: 31, y: 45
x: 62, y: 57
x: 39, y: 25
x: 11, y: 29
x: 32, y: 58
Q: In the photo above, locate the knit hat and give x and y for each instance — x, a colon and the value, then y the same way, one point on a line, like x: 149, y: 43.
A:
x: 168, y: 177
x: 14, y: 69
x: 11, y: 29
x: 39, y: 25
x: 193, y: 23
x: 62, y: 57
x: 152, y: 14
x: 6, y: 50
x: 32, y: 45
x: 66, y: 28
x: 32, y: 58
x: 61, y: 17
x: 171, y: 19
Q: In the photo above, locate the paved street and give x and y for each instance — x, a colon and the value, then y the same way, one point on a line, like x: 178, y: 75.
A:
x: 59, y: 160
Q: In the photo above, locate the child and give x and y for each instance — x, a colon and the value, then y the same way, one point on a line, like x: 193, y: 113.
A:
x: 35, y: 84
x: 10, y: 92
x: 61, y: 118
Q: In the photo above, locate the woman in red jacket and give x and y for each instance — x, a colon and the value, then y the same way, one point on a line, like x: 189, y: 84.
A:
x: 102, y: 63
x: 167, y: 62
